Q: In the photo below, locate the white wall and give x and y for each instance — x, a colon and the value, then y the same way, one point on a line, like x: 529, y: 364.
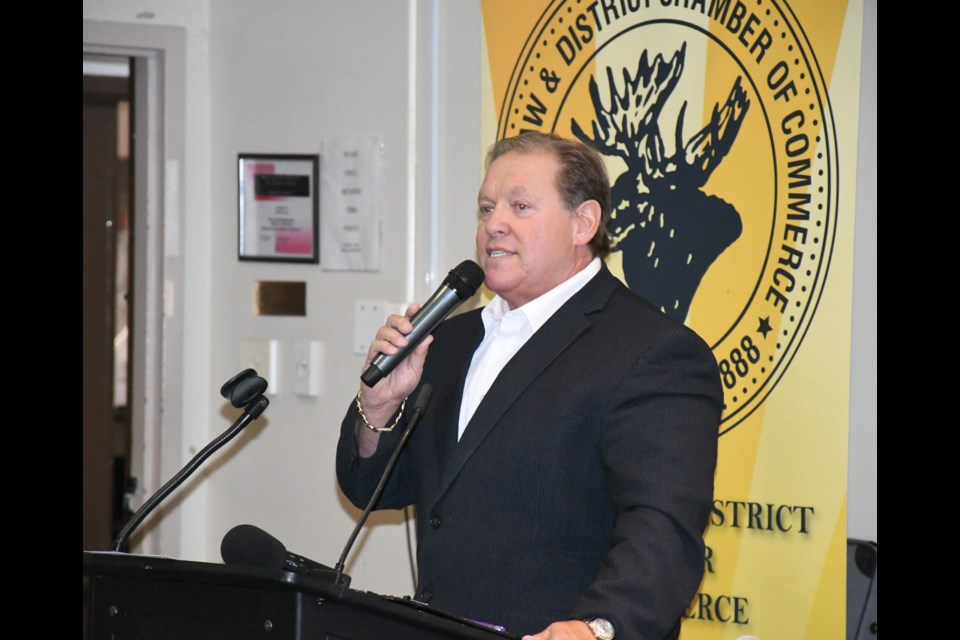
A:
x: 282, y: 77
x: 283, y: 80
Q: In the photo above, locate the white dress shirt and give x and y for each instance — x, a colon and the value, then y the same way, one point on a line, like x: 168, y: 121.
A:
x: 505, y: 331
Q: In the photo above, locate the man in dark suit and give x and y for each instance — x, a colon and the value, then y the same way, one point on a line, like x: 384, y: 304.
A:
x: 563, y: 473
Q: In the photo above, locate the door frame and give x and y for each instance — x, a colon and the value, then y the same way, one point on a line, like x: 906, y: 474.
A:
x: 158, y: 61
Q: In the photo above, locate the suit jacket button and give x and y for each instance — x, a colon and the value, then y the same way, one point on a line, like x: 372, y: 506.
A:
x: 435, y: 521
x: 425, y: 596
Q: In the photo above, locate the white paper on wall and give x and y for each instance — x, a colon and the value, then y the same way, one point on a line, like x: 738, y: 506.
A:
x: 350, y: 204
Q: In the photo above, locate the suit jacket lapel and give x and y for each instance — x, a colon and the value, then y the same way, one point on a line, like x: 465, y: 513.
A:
x: 458, y: 356
x: 534, y: 357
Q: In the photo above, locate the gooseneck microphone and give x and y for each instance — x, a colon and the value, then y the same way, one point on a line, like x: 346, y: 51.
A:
x: 423, y: 399
x: 459, y: 285
x: 251, y: 546
x: 244, y: 390
x: 247, y: 545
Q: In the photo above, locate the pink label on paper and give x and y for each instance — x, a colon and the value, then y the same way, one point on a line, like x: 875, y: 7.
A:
x: 294, y: 242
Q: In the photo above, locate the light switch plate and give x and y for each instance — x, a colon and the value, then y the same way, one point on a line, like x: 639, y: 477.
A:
x: 368, y: 316
x: 263, y: 355
x: 308, y: 368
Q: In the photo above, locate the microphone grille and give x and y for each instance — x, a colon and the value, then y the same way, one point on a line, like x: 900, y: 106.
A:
x: 465, y: 279
x: 251, y: 546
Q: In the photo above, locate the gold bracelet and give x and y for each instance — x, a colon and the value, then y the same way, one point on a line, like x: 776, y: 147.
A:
x: 380, y: 429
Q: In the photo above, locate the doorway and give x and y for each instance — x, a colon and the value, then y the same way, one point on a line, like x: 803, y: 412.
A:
x: 107, y: 246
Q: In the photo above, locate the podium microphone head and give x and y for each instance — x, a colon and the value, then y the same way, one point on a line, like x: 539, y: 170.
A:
x: 251, y: 546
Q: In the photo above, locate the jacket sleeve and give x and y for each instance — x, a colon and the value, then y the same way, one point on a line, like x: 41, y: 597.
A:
x: 659, y: 451
x: 358, y: 477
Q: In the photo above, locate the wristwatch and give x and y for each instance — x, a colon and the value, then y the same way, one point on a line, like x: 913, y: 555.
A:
x: 600, y: 628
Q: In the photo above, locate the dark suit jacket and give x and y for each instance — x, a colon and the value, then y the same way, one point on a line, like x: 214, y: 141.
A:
x: 582, y: 484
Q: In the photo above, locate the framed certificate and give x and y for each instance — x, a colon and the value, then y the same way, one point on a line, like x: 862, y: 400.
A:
x: 279, y: 208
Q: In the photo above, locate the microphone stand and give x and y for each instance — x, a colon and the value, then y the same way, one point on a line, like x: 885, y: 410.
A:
x: 422, y: 399
x: 243, y: 390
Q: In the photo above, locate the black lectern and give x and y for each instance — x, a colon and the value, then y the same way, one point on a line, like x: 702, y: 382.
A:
x: 146, y: 597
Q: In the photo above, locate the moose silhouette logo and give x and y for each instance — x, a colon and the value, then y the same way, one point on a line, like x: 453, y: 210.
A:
x: 668, y: 229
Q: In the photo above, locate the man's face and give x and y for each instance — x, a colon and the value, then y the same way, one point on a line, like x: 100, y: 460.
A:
x: 527, y: 241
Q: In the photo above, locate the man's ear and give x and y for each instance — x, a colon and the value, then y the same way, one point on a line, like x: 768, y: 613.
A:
x: 587, y: 217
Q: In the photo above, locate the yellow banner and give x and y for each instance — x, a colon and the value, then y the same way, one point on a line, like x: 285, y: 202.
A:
x: 729, y: 131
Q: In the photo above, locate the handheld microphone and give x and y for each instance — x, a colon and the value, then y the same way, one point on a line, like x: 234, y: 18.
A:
x: 459, y: 285
x: 251, y: 546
